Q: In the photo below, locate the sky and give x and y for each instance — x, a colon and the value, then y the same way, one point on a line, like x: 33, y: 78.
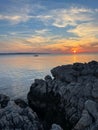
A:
x: 49, y: 26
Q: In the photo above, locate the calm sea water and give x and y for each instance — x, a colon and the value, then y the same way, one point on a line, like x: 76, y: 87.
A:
x: 17, y: 72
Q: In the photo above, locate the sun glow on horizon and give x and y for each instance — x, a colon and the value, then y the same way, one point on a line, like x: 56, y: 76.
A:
x: 74, y: 51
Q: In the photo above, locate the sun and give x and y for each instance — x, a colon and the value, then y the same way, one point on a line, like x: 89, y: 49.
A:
x: 74, y: 51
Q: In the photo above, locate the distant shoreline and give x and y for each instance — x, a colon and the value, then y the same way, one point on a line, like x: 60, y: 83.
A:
x: 35, y: 53
x: 20, y: 53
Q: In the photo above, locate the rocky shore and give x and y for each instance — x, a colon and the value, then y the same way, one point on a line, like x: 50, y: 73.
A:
x: 66, y: 101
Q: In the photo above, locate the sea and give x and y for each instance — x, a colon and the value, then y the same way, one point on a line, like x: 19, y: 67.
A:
x: 17, y: 72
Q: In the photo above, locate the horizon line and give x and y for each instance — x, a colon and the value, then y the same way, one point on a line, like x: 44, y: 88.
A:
x: 29, y: 53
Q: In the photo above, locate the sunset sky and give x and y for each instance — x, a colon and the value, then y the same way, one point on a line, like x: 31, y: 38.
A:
x: 55, y: 26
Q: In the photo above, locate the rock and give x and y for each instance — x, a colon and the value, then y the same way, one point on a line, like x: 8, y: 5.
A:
x: 88, y: 89
x: 48, y: 78
x: 95, y: 89
x: 84, y: 121
x: 21, y: 103
x: 45, y: 102
x: 4, y: 100
x: 93, y: 64
x: 96, y: 72
x: 37, y: 94
x: 91, y: 107
x: 86, y: 70
x: 14, y: 117
x: 56, y: 127
x: 78, y: 66
x: 70, y: 99
x: 64, y: 73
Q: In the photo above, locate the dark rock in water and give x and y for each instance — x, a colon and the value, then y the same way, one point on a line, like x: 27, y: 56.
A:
x: 3, y: 100
x: 70, y: 99
x: 15, y: 117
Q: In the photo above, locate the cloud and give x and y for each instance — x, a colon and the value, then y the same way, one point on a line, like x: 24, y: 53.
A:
x: 94, y: 44
x: 48, y: 44
x: 14, y: 45
x: 80, y: 26
x: 42, y: 31
x: 85, y: 30
x: 59, y: 18
x: 38, y: 40
x: 20, y: 11
x: 70, y: 16
x: 81, y: 10
x: 96, y: 10
x: 14, y: 18
x: 62, y: 45
x: 3, y: 35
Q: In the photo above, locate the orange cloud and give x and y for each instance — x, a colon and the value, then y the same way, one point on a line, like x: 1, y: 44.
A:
x: 50, y: 44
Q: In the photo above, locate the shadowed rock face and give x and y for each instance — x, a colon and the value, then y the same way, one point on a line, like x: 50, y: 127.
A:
x: 46, y: 102
x: 70, y: 99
